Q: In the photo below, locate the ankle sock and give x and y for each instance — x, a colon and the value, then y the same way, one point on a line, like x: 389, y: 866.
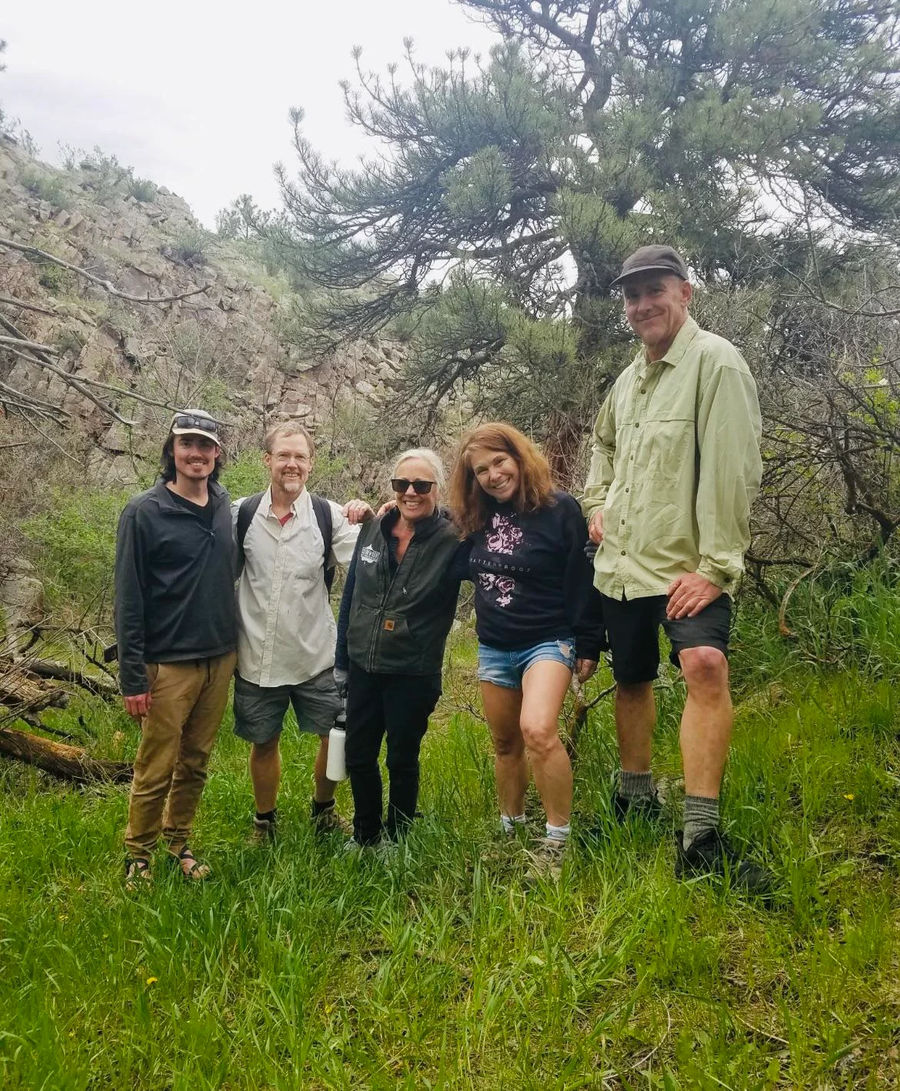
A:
x: 510, y: 821
x: 700, y: 814
x: 635, y: 785
x: 267, y: 816
x: 558, y: 833
x: 318, y: 808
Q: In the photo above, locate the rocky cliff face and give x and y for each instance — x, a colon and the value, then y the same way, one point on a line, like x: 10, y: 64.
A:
x: 227, y: 348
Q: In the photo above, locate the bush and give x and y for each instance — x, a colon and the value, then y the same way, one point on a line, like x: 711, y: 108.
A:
x: 142, y: 189
x: 74, y: 551
x: 48, y: 187
x: 190, y: 249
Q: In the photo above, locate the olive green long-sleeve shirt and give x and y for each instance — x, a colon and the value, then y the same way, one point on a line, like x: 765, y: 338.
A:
x: 675, y: 468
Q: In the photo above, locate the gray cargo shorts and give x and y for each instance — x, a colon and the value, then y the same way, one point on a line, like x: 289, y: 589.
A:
x: 259, y: 710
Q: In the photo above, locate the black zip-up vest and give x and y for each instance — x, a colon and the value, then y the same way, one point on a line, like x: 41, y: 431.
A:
x: 399, y: 622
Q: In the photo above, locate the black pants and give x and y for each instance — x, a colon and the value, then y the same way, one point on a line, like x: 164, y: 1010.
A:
x: 399, y: 705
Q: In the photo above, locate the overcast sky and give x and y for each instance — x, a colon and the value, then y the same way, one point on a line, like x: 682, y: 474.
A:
x: 195, y: 95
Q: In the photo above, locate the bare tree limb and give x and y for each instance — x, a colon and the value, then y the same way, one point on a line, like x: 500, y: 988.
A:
x: 105, y: 284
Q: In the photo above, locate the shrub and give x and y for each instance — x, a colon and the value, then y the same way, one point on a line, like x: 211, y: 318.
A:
x: 48, y: 187
x: 142, y: 189
x: 74, y: 551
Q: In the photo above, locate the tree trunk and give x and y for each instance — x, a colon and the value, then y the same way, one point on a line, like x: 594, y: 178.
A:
x: 67, y: 762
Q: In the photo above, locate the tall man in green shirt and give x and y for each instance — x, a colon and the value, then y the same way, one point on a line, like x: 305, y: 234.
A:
x: 675, y: 467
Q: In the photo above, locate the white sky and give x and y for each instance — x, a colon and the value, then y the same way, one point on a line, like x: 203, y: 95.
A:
x: 195, y: 95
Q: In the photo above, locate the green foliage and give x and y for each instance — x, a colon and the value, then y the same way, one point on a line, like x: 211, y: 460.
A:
x: 439, y: 967
x: 56, y: 279
x: 191, y: 248
x: 245, y: 474
x: 590, y: 130
x: 48, y: 187
x: 73, y: 550
x: 142, y: 189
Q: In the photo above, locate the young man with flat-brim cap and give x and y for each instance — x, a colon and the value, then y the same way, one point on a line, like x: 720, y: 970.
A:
x: 177, y: 634
x: 675, y: 467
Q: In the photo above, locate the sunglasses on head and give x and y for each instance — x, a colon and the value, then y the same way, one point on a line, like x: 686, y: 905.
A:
x: 194, y: 420
x: 401, y: 484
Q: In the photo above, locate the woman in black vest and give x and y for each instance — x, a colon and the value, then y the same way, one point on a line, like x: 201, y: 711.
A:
x: 397, y: 608
x: 536, y: 613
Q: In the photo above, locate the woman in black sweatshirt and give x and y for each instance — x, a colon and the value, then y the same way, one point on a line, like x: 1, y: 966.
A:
x: 536, y: 615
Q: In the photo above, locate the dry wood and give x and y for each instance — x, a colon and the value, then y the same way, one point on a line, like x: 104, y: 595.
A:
x: 67, y: 762
x: 107, y: 285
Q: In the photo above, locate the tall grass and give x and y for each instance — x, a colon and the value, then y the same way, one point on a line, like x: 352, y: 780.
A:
x: 302, y: 967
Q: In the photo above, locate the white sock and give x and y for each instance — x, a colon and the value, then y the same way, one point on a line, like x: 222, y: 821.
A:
x: 558, y: 833
x: 510, y: 821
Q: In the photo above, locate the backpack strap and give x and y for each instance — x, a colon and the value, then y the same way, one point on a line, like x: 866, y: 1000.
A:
x: 245, y: 515
x: 322, y: 510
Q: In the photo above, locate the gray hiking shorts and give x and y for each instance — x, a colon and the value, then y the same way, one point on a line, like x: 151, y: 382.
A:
x: 259, y: 710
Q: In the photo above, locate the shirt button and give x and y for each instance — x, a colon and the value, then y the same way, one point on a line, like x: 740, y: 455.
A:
x: 623, y: 522
x: 626, y: 490
x: 623, y: 552
x: 643, y: 391
x: 637, y: 424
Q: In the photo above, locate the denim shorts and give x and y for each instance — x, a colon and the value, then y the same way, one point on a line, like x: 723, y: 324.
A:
x: 502, y: 668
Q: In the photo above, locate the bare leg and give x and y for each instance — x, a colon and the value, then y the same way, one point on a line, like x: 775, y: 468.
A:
x: 635, y: 720
x: 544, y: 687
x: 706, y: 721
x: 265, y: 773
x: 324, y: 791
x: 501, y: 708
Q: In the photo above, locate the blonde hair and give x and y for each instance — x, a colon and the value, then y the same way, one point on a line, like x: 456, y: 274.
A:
x: 426, y: 455
x: 284, y: 430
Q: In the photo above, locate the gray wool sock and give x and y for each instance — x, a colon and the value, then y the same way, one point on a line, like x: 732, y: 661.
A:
x: 700, y: 814
x: 635, y: 785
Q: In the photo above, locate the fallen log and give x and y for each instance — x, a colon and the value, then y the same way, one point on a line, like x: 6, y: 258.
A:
x: 49, y: 668
x: 66, y: 762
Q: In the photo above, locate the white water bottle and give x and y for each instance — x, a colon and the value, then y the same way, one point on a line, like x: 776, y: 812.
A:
x: 336, y: 767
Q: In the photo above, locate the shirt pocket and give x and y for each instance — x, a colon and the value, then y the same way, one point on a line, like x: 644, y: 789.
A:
x: 669, y: 457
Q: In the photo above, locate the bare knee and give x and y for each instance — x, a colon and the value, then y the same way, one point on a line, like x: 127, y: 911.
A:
x: 540, y: 737
x: 508, y: 745
x: 705, y: 670
x: 264, y: 751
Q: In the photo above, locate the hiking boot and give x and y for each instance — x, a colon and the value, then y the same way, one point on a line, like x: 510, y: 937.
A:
x: 712, y: 854
x: 329, y: 821
x: 265, y: 831
x: 648, y: 808
x: 545, y: 859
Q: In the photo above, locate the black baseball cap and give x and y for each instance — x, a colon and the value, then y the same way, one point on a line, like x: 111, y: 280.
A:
x: 652, y: 259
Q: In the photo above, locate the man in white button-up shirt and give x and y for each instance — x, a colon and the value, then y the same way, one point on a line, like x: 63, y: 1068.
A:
x: 286, y: 629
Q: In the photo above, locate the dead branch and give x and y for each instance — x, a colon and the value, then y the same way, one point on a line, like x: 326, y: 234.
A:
x: 105, y: 284
x: 63, y: 761
x: 792, y: 587
x: 50, y: 668
x: 12, y: 302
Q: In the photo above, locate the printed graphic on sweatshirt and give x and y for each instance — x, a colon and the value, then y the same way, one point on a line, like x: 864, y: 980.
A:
x: 503, y: 536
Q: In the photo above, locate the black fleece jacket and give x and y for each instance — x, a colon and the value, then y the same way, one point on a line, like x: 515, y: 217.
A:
x: 175, y: 575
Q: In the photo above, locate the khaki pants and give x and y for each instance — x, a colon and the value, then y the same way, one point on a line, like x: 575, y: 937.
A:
x: 177, y: 735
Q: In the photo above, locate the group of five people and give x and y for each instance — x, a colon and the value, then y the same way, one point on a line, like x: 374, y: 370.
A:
x: 675, y: 467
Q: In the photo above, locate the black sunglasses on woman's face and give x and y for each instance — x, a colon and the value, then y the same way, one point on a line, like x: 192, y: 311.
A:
x: 401, y: 484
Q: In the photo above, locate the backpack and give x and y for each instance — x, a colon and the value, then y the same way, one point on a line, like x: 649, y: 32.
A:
x: 322, y: 510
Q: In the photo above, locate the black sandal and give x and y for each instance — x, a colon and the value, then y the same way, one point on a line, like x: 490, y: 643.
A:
x: 193, y: 871
x: 137, y: 872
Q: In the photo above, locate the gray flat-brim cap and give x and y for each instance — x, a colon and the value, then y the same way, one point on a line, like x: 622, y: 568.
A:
x: 652, y: 259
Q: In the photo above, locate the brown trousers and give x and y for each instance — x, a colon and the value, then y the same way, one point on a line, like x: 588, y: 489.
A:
x: 186, y: 704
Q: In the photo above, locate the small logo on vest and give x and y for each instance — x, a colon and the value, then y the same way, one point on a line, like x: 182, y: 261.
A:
x: 368, y: 555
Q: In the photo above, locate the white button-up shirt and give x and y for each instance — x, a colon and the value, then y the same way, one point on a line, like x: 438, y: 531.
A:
x: 286, y: 628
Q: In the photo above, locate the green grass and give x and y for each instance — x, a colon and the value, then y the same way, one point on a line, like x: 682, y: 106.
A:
x: 301, y: 967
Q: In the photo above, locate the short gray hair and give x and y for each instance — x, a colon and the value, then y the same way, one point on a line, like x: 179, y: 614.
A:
x: 426, y: 455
